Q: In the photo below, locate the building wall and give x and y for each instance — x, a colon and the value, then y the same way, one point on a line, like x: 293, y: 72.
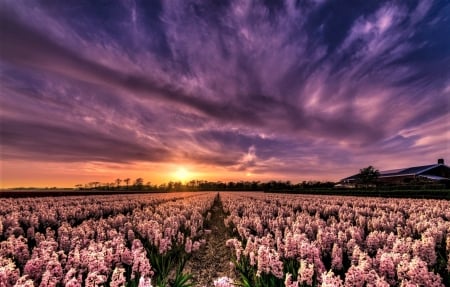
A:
x: 398, y: 179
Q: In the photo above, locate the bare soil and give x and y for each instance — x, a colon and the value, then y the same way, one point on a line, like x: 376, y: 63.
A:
x: 213, y: 259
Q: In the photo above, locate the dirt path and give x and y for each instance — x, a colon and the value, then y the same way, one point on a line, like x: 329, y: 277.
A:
x: 213, y: 260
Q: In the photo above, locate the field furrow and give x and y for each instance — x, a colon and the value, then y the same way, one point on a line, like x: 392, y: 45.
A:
x: 212, y: 260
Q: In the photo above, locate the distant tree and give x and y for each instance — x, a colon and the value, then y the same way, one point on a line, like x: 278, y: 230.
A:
x: 368, y: 175
x: 118, y: 181
x: 139, y: 183
x: 191, y: 185
x: 127, y: 181
x: 79, y: 186
x: 93, y: 184
x: 177, y: 186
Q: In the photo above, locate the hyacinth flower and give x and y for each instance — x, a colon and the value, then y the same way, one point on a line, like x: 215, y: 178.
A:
x: 9, y: 273
x: 145, y: 282
x: 399, y: 242
x: 288, y: 282
x: 306, y: 273
x: 331, y: 280
x: 24, y: 281
x: 118, y: 278
x: 362, y: 241
x: 94, y: 279
x: 71, y: 242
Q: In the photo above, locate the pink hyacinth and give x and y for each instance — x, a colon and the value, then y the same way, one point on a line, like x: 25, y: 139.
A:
x: 145, y: 282
x: 94, y: 279
x: 70, y: 275
x: 374, y: 280
x: 34, y: 268
x: 336, y: 255
x: 74, y: 282
x: 188, y: 245
x: 141, y: 265
x: 288, y: 281
x: 290, y: 246
x: 126, y: 257
x: 195, y: 246
x: 425, y: 249
x: 48, y: 280
x: 331, y: 280
x: 165, y: 244
x: 252, y: 258
x: 355, y: 277
x: 236, y: 245
x: 269, y: 262
x: 9, y: 274
x: 118, y: 277
x: 306, y: 272
x: 23, y: 281
x: 387, y: 266
x: 418, y: 273
x: 390, y: 242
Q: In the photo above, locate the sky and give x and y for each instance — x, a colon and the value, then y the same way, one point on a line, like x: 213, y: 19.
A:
x: 220, y: 90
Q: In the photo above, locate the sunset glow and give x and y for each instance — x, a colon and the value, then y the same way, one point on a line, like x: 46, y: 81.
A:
x: 182, y: 174
x: 220, y: 90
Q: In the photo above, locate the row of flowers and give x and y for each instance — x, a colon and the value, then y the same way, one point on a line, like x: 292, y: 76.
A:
x: 120, y: 240
x: 17, y: 216
x: 306, y: 240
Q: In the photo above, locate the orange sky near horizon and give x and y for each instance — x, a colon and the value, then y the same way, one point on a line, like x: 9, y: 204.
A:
x: 42, y: 174
x: 15, y: 174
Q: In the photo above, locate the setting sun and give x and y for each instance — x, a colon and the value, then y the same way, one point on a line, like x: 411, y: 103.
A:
x: 182, y: 174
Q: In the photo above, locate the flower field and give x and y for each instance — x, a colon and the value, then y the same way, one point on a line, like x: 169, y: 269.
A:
x: 272, y: 240
x: 289, y: 240
x: 132, y: 240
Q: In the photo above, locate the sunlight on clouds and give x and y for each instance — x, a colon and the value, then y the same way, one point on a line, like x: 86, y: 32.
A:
x: 313, y: 101
x: 407, y: 132
x: 434, y: 134
x: 447, y: 89
x: 90, y: 120
x: 384, y: 22
x: 370, y: 106
x: 250, y: 156
x: 435, y: 139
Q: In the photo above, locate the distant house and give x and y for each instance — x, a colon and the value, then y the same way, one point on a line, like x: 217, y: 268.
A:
x: 434, y: 173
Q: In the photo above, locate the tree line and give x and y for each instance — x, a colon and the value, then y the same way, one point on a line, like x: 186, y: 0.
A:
x: 203, y: 185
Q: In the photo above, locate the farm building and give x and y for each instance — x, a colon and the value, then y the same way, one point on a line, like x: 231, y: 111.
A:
x: 436, y: 173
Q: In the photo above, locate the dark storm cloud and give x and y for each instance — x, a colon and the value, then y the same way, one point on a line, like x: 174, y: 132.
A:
x: 36, y: 140
x: 261, y: 86
x: 27, y: 47
x: 66, y: 127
